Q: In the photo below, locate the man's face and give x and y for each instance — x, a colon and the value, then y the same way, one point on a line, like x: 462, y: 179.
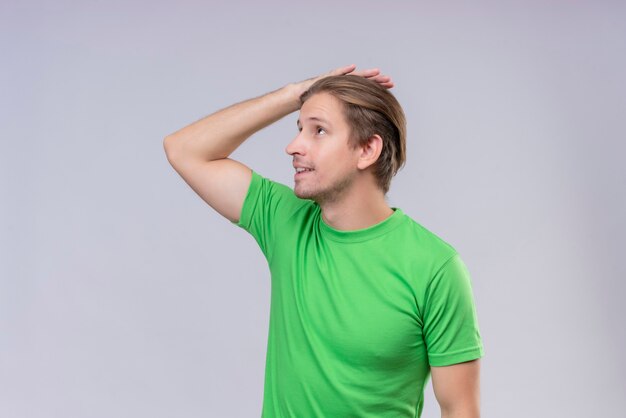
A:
x: 322, y: 145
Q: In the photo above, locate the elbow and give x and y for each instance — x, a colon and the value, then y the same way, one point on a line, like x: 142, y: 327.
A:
x: 170, y: 150
x: 167, y: 144
x: 168, y: 147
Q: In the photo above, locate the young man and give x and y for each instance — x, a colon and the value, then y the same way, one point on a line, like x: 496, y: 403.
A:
x: 366, y: 304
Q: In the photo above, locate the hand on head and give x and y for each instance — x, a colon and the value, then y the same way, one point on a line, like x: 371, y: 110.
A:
x: 371, y: 73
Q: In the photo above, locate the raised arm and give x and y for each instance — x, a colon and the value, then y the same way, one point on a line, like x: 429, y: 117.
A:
x: 199, y: 152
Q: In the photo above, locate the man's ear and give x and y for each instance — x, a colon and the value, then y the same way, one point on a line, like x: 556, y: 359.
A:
x: 370, y: 151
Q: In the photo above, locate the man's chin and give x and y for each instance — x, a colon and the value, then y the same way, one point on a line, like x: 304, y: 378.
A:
x: 303, y: 194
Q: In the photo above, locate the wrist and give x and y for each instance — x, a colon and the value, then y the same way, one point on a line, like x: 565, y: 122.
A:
x: 291, y: 94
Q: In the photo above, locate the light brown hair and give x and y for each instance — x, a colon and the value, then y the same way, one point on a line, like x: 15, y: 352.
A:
x: 369, y: 109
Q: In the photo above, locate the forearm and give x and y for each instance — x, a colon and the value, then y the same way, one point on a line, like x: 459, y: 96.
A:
x: 216, y: 136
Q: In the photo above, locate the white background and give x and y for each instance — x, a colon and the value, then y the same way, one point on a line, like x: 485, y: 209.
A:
x: 122, y: 294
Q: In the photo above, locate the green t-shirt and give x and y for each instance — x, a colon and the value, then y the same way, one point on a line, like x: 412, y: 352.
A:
x: 357, y: 317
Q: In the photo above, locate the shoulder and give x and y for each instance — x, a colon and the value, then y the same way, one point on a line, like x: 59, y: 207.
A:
x: 426, y: 242
x: 277, y: 198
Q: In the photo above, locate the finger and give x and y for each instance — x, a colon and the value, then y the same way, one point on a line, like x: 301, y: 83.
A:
x: 343, y: 70
x: 381, y: 78
x: 371, y: 72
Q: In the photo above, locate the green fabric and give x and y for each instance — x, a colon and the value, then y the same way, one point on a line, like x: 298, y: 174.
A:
x: 357, y: 317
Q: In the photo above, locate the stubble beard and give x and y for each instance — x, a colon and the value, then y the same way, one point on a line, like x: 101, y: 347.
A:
x: 329, y: 195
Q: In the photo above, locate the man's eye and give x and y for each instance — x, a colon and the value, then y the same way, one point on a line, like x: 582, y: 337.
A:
x: 320, y: 128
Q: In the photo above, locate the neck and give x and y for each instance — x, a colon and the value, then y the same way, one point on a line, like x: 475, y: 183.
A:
x: 358, y: 208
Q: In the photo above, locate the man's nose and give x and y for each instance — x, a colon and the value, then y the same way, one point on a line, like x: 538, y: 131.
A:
x: 295, y: 146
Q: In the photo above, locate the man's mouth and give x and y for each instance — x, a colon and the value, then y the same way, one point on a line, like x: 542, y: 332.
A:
x: 302, y: 172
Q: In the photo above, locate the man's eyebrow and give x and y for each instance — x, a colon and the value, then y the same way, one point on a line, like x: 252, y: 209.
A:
x: 315, y: 118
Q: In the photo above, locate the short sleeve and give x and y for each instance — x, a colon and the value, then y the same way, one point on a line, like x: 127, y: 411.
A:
x: 265, y: 208
x: 451, y: 330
